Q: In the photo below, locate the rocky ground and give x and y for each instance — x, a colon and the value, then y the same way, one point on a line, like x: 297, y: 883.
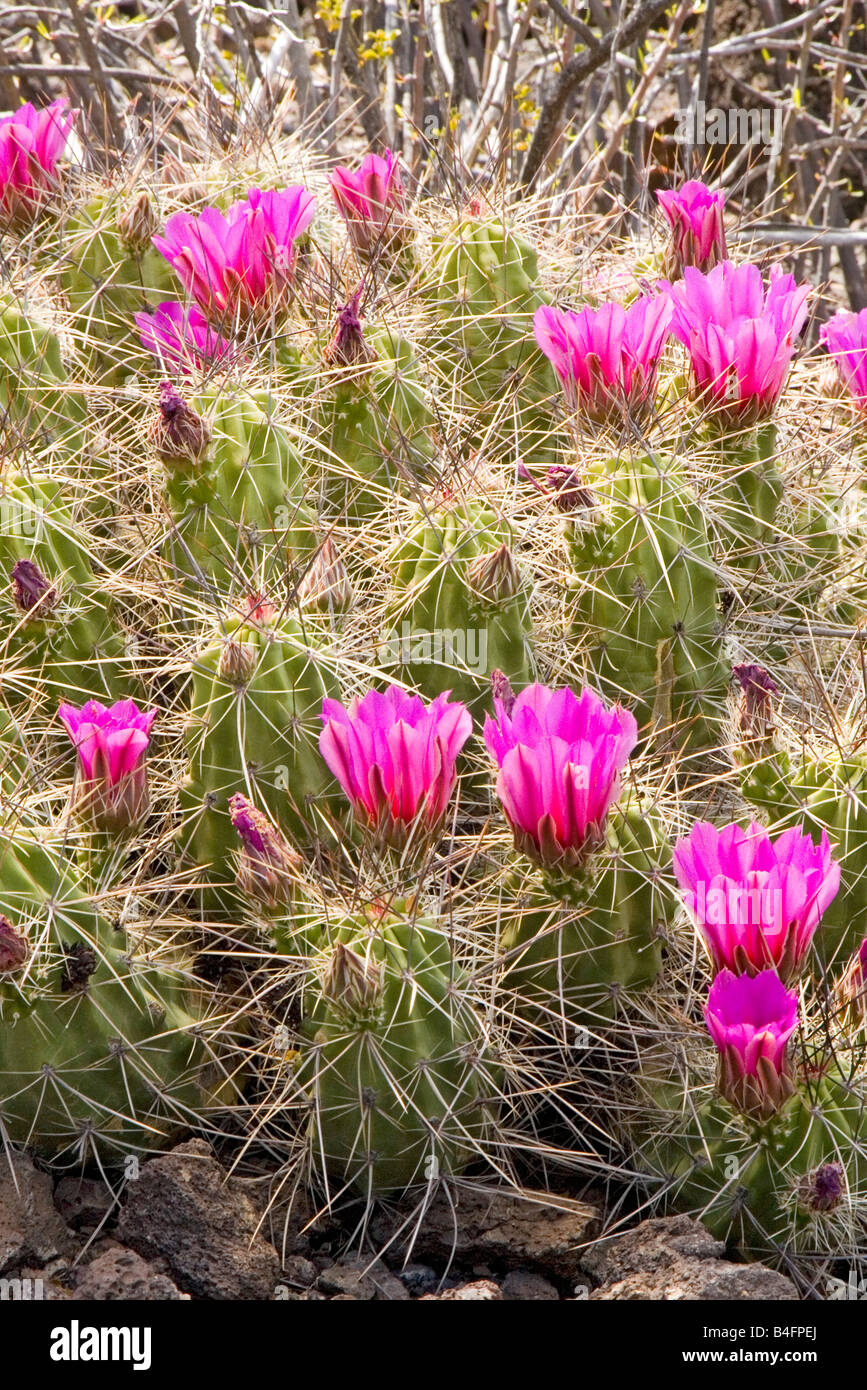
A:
x: 186, y: 1230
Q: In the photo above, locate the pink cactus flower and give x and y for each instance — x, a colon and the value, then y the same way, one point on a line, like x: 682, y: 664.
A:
x: 395, y: 757
x: 845, y: 337
x: 606, y: 358
x: 560, y: 757
x: 371, y: 200
x: 180, y: 337
x: 751, y: 1018
x: 241, y: 261
x: 695, y: 216
x: 740, y: 336
x: 756, y: 901
x: 31, y: 145
x: 111, y: 743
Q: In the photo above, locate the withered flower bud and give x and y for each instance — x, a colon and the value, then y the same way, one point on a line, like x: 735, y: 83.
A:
x: 757, y: 710
x: 178, y: 433
x: 348, y: 348
x: 501, y: 689
x: 33, y: 592
x: 13, y: 947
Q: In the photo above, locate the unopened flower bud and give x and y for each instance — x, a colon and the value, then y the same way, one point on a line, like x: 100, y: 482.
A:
x: 495, y: 577
x: 138, y: 223
x: 33, y: 592
x: 501, y: 689
x: 178, y: 433
x: 326, y: 587
x: 348, y: 348
x: 237, y: 662
x: 259, y: 611
x: 268, y: 866
x: 13, y: 947
x: 352, y: 984
x: 757, y: 709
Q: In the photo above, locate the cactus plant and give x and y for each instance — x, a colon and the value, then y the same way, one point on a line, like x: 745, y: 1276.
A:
x: 257, y: 692
x: 772, y: 1158
x: 38, y: 409
x: 234, y: 490
x: 103, y: 1052
x: 646, y: 590
x: 109, y: 271
x: 372, y: 421
x: 396, y: 1069
x: 483, y: 286
x: 60, y: 629
x: 460, y: 606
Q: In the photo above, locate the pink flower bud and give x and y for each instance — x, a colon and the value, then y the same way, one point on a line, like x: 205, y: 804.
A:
x: 31, y: 145
x: 751, y: 1018
x: 268, y: 866
x: 606, y: 358
x: 695, y: 216
x: 371, y: 201
x: 740, y: 337
x: 845, y: 337
x: 178, y: 433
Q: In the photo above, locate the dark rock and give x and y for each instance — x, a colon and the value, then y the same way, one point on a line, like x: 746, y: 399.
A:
x: 183, y: 1208
x: 31, y: 1229
x: 353, y: 1276
x: 121, y: 1275
x: 83, y: 1203
x: 499, y: 1228
x: 675, y: 1257
x: 418, y: 1279
x: 522, y: 1285
x: 482, y: 1291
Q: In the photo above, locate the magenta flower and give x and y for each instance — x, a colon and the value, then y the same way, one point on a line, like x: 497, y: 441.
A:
x: 756, y: 901
x: 740, y: 336
x: 395, y: 757
x: 751, y: 1018
x: 111, y: 744
x: 845, y: 337
x: 180, y: 337
x: 695, y: 216
x: 31, y: 144
x: 560, y: 757
x: 370, y: 199
x: 243, y: 260
x: 606, y: 358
